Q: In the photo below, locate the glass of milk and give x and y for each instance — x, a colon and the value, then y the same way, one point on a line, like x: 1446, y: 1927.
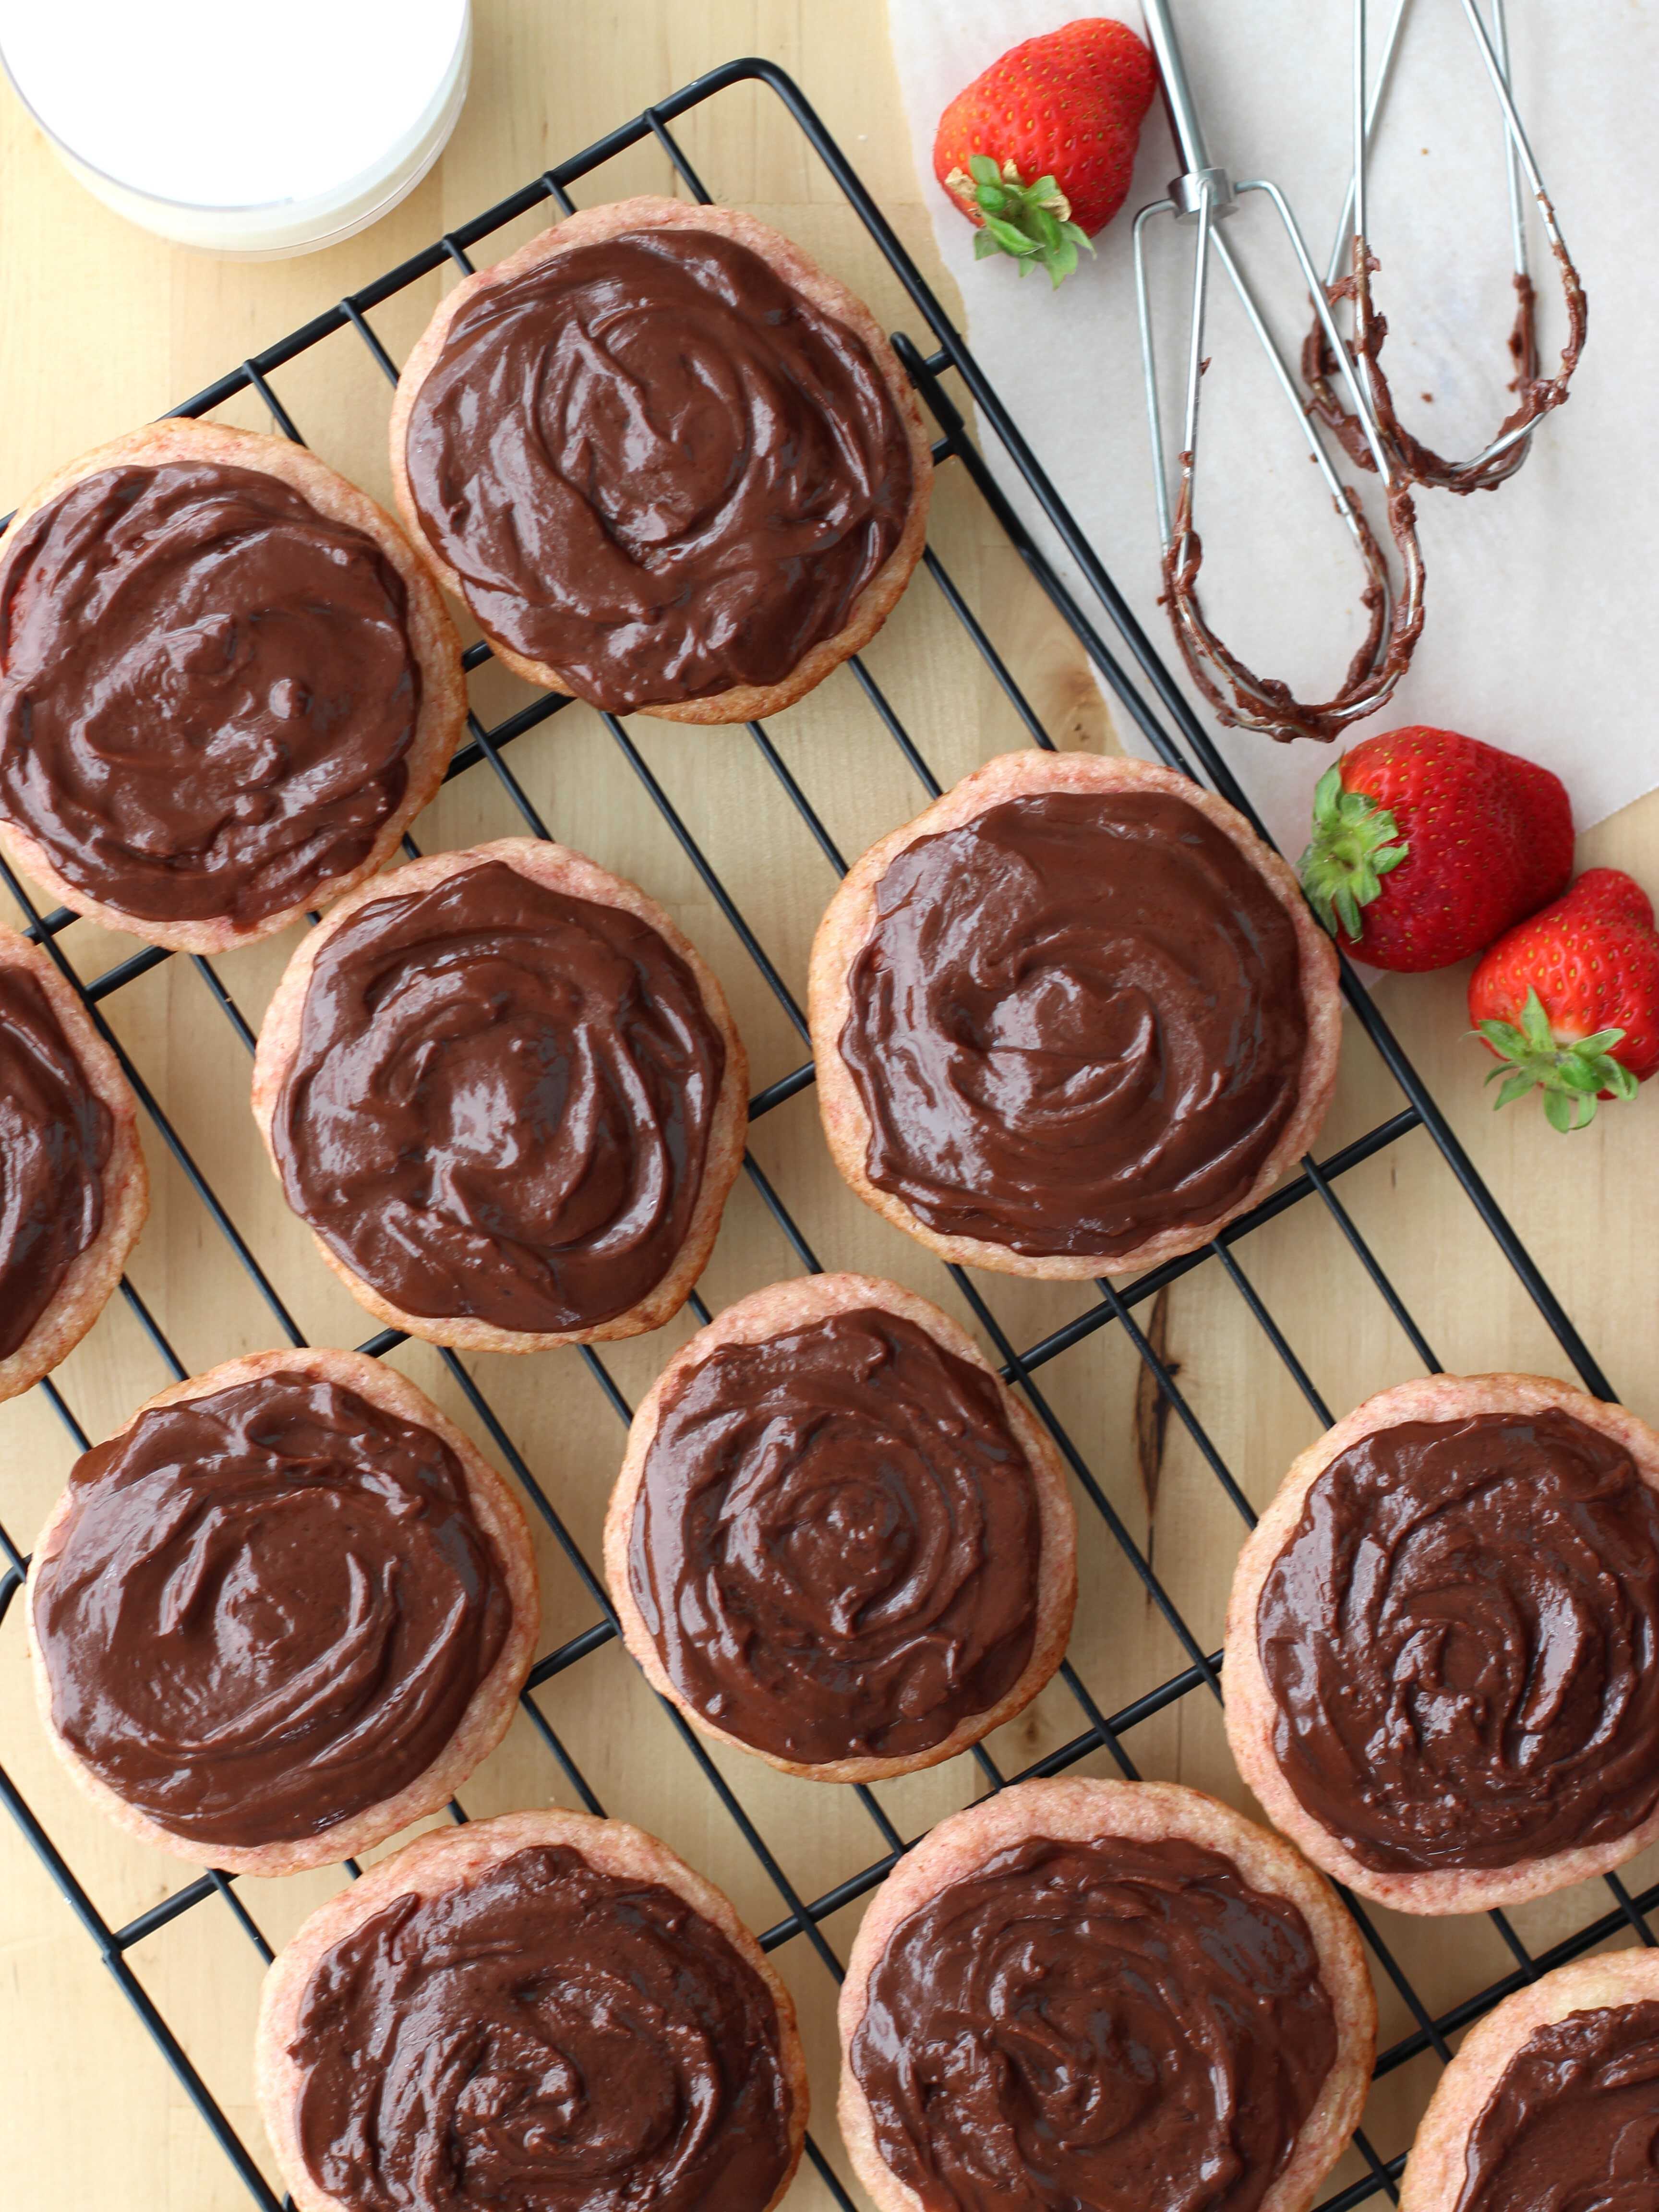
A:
x: 245, y: 130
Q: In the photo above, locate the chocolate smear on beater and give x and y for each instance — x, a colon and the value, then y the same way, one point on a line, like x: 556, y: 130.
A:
x: 1240, y: 697
x: 1535, y: 395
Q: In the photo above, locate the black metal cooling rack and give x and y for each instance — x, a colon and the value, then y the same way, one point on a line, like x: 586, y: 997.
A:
x: 1146, y: 690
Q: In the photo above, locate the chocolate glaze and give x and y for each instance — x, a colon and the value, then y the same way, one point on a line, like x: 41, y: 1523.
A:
x: 1461, y: 1642
x: 1572, y: 2125
x: 658, y: 468
x: 1077, y: 1021
x: 1120, y: 2026
x: 55, y: 1137
x: 501, y: 1102
x: 548, y: 2038
x: 209, y: 692
x: 834, y: 1547
x: 271, y: 1609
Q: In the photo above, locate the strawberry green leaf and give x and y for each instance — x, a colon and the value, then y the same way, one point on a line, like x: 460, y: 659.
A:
x: 1516, y: 1086
x: 1535, y: 1024
x: 1355, y: 843
x: 1576, y: 1074
x: 1566, y: 1114
x: 1061, y: 259
x: 1010, y: 237
x: 1031, y: 222
x: 1618, y: 1078
x: 1571, y: 1072
x: 1500, y: 1035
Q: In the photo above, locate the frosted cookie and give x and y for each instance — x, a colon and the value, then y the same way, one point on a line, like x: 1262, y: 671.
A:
x: 1071, y: 1019
x: 1441, y: 1675
x: 73, y: 1191
x: 227, y: 685
x: 542, y: 2009
x: 1119, y: 1994
x: 836, y: 1540
x: 1551, y: 2100
x: 281, y: 1614
x: 669, y: 464
x: 507, y: 1097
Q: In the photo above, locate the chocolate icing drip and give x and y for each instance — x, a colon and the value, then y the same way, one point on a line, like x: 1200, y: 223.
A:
x: 271, y: 1609
x: 1078, y: 1021
x: 1461, y: 1641
x: 1122, y: 2025
x: 501, y: 1102
x: 1573, y: 2123
x: 658, y: 468
x: 55, y: 1137
x: 209, y: 692
x: 548, y: 2038
x: 835, y: 1544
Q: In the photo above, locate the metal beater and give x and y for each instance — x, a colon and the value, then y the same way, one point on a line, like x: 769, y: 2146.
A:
x: 1204, y: 193
x: 1535, y: 395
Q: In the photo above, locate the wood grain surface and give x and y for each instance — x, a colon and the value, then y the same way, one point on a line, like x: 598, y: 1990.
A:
x: 102, y: 327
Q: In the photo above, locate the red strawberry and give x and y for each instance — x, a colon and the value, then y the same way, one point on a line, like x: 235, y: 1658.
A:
x: 1571, y: 999
x: 1427, y: 845
x: 1038, y: 151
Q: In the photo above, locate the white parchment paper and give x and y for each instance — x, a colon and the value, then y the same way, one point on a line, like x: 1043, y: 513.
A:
x: 1541, y: 596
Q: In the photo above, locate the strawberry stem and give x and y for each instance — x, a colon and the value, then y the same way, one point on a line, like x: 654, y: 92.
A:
x: 1355, y: 843
x: 1033, y: 222
x: 1570, y: 1073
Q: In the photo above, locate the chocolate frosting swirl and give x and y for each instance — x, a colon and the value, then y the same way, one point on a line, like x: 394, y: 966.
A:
x: 548, y: 2038
x: 1462, y: 1643
x: 501, y: 1102
x: 658, y: 468
x: 55, y: 1139
x: 209, y: 692
x: 835, y: 1546
x: 271, y: 1609
x: 1077, y: 1021
x: 1123, y: 2026
x: 1573, y: 2123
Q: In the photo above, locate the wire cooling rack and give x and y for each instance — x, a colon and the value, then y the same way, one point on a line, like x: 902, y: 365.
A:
x: 1146, y: 691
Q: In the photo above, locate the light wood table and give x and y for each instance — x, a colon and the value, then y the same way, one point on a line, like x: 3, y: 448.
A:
x: 101, y: 327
